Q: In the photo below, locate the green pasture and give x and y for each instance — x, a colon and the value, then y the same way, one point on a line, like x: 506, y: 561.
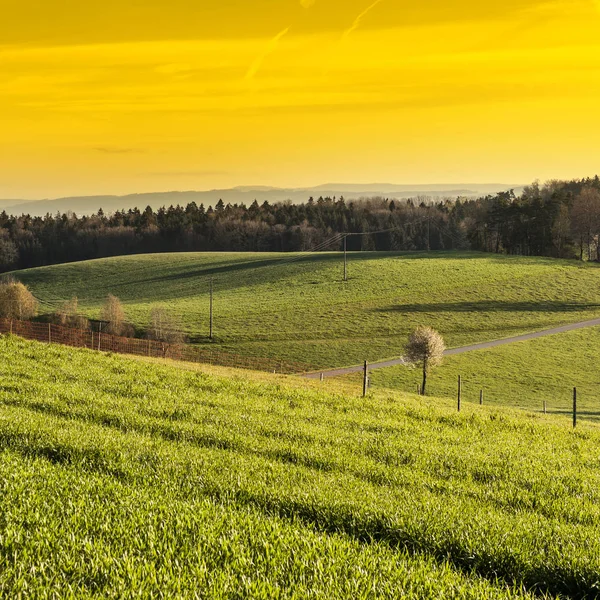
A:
x: 523, y: 374
x: 121, y: 477
x: 299, y: 309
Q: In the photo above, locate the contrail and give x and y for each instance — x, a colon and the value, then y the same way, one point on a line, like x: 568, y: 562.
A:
x: 360, y: 17
x: 271, y: 47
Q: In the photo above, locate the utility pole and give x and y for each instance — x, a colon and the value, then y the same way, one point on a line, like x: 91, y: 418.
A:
x: 345, y: 258
x: 210, y: 336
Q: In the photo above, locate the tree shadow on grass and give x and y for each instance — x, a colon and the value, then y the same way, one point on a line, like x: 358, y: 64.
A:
x: 233, y: 275
x: 584, y: 414
x: 546, y: 306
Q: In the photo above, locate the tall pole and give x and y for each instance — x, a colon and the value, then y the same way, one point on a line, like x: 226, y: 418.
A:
x: 211, y: 309
x: 459, y: 391
x: 365, y: 378
x: 574, y: 407
x: 345, y: 258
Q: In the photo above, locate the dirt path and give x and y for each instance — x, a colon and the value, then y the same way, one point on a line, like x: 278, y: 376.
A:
x: 463, y: 349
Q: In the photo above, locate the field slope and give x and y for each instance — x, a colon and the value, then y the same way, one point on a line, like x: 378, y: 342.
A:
x: 270, y: 305
x: 121, y: 477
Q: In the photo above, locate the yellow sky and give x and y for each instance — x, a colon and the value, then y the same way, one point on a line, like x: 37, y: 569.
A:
x: 125, y: 96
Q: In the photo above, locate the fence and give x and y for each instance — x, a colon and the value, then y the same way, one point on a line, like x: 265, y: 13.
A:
x: 80, y: 338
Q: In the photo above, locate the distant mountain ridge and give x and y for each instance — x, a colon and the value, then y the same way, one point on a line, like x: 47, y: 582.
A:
x: 85, y: 205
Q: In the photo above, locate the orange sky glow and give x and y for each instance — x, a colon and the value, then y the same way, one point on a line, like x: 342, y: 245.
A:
x: 124, y: 96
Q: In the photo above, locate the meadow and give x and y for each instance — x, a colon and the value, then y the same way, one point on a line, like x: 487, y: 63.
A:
x: 298, y: 308
x: 524, y: 375
x: 121, y: 476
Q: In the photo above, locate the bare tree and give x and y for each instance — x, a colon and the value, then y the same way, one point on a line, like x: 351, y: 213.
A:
x: 68, y: 315
x: 425, y: 347
x: 16, y: 301
x: 164, y: 327
x: 114, y: 315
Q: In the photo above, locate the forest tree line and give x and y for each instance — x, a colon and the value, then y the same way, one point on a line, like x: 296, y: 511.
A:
x: 556, y: 219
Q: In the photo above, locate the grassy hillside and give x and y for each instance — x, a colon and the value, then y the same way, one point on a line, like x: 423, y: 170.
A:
x: 302, y: 311
x: 119, y: 477
x: 519, y: 375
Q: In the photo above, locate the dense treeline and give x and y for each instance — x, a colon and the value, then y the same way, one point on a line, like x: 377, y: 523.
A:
x: 559, y: 218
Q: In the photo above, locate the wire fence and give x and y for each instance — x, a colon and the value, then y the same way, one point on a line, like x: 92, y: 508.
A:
x: 104, y: 342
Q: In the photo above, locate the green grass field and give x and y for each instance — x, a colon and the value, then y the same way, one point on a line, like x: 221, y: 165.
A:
x: 302, y: 311
x: 122, y: 478
x: 522, y: 375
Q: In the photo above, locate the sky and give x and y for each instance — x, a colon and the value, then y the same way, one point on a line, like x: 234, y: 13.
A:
x: 124, y: 96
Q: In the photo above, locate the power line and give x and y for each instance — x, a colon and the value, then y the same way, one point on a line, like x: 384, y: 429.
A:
x: 323, y: 245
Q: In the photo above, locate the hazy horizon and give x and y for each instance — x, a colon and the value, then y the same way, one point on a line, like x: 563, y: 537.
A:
x: 357, y: 187
x: 88, y: 204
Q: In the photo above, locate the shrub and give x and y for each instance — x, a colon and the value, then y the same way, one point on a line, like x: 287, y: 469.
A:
x: 68, y: 315
x: 16, y: 301
x: 114, y: 315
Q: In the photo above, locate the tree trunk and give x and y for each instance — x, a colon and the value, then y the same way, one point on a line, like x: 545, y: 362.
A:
x: 424, y: 380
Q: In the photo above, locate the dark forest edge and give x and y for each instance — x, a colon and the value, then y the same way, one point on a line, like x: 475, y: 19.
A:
x: 557, y: 219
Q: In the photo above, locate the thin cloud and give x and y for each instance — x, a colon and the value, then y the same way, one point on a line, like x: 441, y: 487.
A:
x: 360, y: 17
x: 117, y: 150
x: 271, y: 47
x: 185, y: 173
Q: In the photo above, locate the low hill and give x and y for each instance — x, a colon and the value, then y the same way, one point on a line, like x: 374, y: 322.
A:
x: 85, y: 205
x: 297, y: 307
x: 119, y: 477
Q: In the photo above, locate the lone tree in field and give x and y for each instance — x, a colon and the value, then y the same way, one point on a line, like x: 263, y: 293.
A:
x: 426, y: 347
x: 113, y: 313
x: 16, y: 301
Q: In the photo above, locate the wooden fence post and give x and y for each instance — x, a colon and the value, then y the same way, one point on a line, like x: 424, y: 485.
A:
x: 322, y: 377
x: 459, y: 391
x: 545, y: 408
x: 49, y: 333
x: 574, y: 407
x: 365, y: 378
x: 480, y: 397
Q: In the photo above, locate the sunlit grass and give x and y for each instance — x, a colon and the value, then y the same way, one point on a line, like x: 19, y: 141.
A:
x: 303, y: 311
x: 119, y: 476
